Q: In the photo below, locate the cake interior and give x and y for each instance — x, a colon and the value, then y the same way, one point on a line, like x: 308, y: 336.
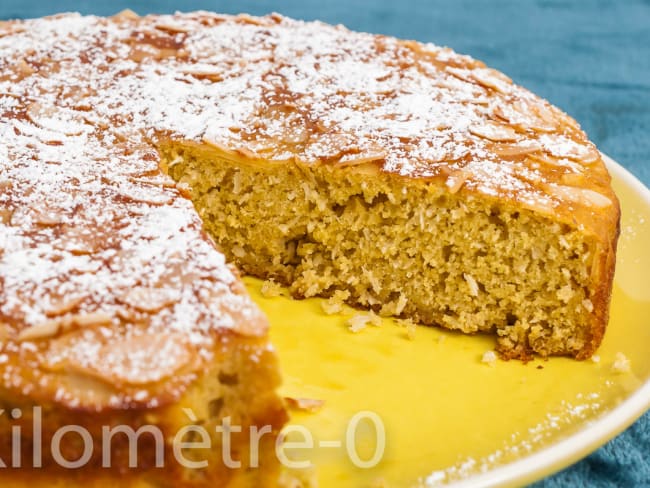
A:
x: 401, y: 247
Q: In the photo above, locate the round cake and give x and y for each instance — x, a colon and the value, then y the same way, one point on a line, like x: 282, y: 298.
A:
x: 140, y: 155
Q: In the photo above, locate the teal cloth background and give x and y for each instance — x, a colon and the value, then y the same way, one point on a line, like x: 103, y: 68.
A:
x: 591, y: 58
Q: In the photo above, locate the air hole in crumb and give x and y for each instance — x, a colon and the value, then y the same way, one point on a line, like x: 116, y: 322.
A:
x: 498, y: 222
x: 379, y: 198
x: 338, y: 209
x: 348, y: 253
x: 449, y: 312
x: 443, y: 278
x: 446, y: 252
x: 215, y: 406
x: 292, y: 246
x: 511, y: 319
x: 228, y: 379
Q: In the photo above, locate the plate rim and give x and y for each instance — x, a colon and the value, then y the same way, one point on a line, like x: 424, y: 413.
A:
x: 577, y: 446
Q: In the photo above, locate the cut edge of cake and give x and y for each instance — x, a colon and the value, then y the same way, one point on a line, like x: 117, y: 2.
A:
x: 409, y: 248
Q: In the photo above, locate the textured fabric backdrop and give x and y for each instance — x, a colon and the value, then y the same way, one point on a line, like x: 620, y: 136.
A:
x: 591, y: 58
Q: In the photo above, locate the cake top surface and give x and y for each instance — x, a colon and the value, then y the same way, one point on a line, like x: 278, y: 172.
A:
x: 98, y: 248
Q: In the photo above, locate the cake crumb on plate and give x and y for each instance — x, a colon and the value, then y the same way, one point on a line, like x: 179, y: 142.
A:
x: 489, y: 357
x: 359, y: 321
x: 410, y: 327
x: 621, y: 363
x: 334, y: 304
x: 271, y: 289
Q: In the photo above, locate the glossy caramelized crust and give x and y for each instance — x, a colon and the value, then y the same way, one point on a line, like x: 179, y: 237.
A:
x: 114, y: 299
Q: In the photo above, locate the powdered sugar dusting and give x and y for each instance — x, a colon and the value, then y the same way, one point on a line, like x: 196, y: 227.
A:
x: 86, y: 213
x: 584, y: 408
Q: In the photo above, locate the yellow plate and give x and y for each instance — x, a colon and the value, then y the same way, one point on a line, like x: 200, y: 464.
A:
x: 446, y: 415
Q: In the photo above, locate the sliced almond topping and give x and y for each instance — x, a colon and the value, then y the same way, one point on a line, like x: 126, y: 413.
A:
x: 142, y: 359
x: 151, y: 300
x: 129, y: 315
x: 24, y: 68
x: 596, y: 199
x: 63, y: 306
x: 221, y: 304
x: 460, y: 73
x: 247, y: 19
x: 218, y: 145
x: 555, y: 116
x: 126, y: 14
x: 5, y: 215
x: 491, y: 78
x: 247, y: 153
x: 586, y: 154
x: 77, y: 241
x: 542, y: 204
x: 172, y: 28
x: 10, y: 27
x: 184, y: 189
x: 124, y: 360
x: 508, y: 150
x: 44, y: 330
x: 204, y: 75
x: 311, y: 405
x: 583, y: 196
x: 47, y: 220
x: 521, y: 114
x: 494, y: 132
x: 545, y: 158
x: 159, y: 182
x: 573, y: 179
x: 91, y: 319
x: 565, y: 147
x: 456, y: 181
x: 141, y: 52
x: 545, y: 114
x: 57, y: 119
x: 500, y: 113
x: 363, y: 158
x: 590, y: 156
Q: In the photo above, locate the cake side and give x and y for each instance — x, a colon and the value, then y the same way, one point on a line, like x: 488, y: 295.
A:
x: 145, y: 445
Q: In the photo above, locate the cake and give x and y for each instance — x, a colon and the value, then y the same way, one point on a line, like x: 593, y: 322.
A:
x: 141, y: 155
